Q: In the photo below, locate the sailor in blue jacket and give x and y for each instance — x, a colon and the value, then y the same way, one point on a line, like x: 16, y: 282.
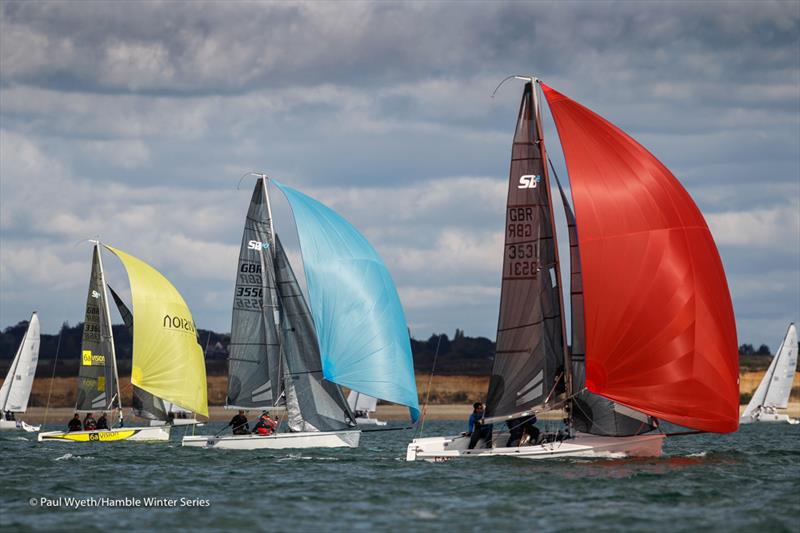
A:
x: 477, y: 429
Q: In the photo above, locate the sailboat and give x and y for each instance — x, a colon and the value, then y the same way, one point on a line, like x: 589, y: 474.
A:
x: 773, y: 392
x: 285, y: 352
x: 653, y: 332
x: 16, y: 389
x: 168, y: 363
x: 362, y: 405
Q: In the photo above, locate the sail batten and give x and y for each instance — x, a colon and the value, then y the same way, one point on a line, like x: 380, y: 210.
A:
x: 660, y: 335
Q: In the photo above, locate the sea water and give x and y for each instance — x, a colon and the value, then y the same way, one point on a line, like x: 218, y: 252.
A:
x: 746, y: 481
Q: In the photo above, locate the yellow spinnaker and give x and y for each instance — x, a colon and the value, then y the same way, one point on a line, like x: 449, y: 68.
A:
x: 167, y: 360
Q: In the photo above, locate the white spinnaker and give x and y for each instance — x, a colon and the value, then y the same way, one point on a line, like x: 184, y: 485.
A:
x: 16, y: 389
x: 361, y: 402
x: 775, y: 387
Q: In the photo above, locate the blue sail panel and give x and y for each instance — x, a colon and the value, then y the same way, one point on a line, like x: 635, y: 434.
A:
x: 361, y: 327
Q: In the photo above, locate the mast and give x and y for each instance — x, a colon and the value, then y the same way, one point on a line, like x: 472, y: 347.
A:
x: 540, y: 134
x: 107, y: 311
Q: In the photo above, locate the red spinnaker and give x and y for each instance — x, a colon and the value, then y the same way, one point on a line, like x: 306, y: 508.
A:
x: 660, y: 331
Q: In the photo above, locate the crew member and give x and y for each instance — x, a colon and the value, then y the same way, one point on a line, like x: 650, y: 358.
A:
x: 102, y: 422
x: 89, y: 423
x: 477, y: 429
x: 239, y: 423
x: 75, y: 423
x: 265, y: 425
x: 521, y: 427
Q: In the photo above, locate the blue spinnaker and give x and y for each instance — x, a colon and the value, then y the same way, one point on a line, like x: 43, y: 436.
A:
x: 361, y: 327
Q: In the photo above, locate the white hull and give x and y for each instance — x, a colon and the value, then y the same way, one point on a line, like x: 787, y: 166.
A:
x: 370, y: 422
x: 280, y: 441
x: 9, y: 425
x: 582, y: 445
x: 769, y: 417
x: 136, y: 434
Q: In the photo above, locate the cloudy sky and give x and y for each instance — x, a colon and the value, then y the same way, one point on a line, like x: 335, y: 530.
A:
x: 134, y: 121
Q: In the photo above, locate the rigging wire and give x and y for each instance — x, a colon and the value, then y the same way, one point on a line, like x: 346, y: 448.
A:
x: 421, y: 424
x: 53, y: 376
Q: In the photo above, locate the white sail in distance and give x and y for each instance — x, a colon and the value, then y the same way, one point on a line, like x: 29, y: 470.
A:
x: 776, y: 386
x: 16, y: 389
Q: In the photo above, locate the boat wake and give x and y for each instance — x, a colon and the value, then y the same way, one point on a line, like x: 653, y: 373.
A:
x: 68, y: 456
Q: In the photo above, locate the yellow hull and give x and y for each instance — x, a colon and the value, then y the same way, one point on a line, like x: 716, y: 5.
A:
x: 108, y: 435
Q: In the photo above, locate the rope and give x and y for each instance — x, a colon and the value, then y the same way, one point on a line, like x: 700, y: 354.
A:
x: 421, y: 425
x: 53, y: 376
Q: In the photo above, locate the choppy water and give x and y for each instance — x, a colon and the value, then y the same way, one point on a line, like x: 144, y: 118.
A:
x: 741, y: 482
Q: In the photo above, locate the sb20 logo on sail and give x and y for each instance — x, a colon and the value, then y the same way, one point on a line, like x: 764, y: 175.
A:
x: 528, y: 181
x: 257, y: 245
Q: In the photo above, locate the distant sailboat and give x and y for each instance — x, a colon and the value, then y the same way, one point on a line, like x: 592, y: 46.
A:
x: 773, y: 392
x: 362, y: 405
x: 168, y: 363
x: 16, y: 389
x: 285, y: 352
x: 653, y: 335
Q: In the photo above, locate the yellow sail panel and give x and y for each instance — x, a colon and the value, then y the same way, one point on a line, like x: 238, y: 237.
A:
x: 167, y: 360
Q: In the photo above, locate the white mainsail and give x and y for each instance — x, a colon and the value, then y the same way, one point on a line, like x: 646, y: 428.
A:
x: 16, y: 388
x: 776, y: 385
x: 361, y: 402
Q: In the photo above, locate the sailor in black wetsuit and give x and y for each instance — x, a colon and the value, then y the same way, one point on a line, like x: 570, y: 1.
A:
x: 240, y: 425
x: 519, y: 427
x: 75, y: 423
x: 102, y: 422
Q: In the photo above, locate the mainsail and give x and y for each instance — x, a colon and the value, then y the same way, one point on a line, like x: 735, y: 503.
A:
x: 16, y: 389
x: 254, y: 360
x: 145, y: 404
x: 312, y: 403
x: 776, y: 385
x: 359, y: 321
x: 528, y: 369
x: 589, y: 412
x: 168, y: 361
x: 660, y: 332
x: 97, y: 386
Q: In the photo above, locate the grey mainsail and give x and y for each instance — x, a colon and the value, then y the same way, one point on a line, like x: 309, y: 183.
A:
x: 312, y: 403
x: 97, y: 385
x: 528, y: 368
x: 591, y: 413
x: 254, y: 360
x: 145, y: 405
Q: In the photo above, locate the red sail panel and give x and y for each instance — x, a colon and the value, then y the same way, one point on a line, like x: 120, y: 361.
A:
x: 660, y: 331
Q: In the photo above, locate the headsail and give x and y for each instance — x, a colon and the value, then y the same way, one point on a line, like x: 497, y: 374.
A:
x: 320, y: 404
x: 776, y: 385
x: 145, y: 404
x: 660, y: 333
x: 97, y: 386
x: 591, y: 413
x: 16, y: 389
x: 529, y: 359
x: 168, y: 362
x: 254, y: 361
x: 359, y: 320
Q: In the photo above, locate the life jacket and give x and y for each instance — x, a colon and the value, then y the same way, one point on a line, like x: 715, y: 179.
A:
x: 263, y: 431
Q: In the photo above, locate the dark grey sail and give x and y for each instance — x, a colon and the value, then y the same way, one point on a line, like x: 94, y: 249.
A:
x: 145, y: 405
x: 97, y: 385
x: 591, y: 413
x: 312, y: 403
x: 255, y: 349
x: 528, y: 369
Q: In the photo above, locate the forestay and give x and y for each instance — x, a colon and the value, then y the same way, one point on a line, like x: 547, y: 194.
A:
x: 16, y: 389
x: 360, y: 324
